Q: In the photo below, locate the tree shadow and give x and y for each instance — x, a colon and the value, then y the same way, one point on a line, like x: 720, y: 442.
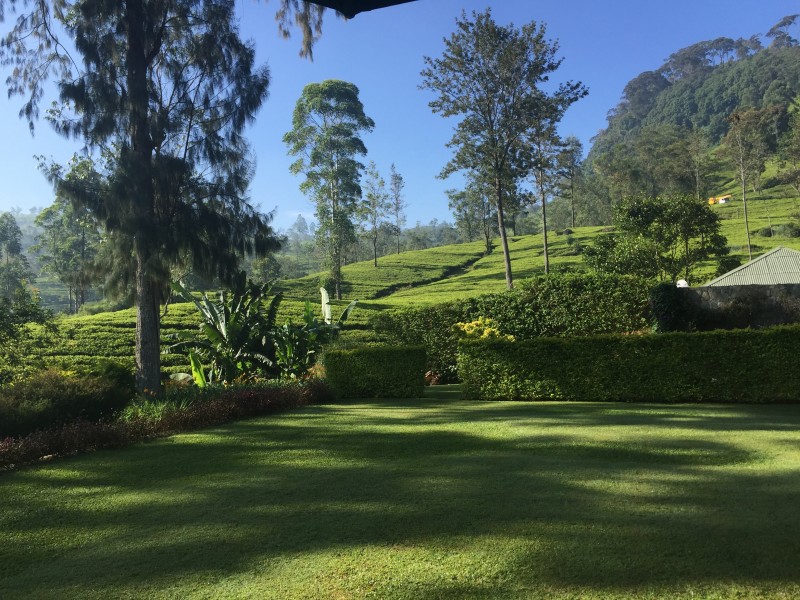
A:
x: 574, y: 512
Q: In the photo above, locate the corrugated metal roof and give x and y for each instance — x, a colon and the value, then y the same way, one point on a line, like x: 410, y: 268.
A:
x: 780, y: 265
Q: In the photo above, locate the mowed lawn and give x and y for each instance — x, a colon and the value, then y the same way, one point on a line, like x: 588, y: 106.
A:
x: 432, y: 498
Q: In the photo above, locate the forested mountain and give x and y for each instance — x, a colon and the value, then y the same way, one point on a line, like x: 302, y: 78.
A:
x: 660, y: 136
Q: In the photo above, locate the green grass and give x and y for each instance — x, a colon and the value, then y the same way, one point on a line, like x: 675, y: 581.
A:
x: 422, y: 499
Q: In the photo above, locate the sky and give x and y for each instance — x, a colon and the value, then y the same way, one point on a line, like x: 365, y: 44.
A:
x: 603, y: 44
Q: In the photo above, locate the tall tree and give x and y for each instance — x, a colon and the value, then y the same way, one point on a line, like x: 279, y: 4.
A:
x: 327, y: 123
x: 490, y: 76
x: 779, y: 33
x: 165, y: 89
x: 375, y: 206
x: 790, y: 153
x: 15, y: 272
x: 69, y: 241
x: 745, y: 144
x: 474, y: 214
x: 569, y: 161
x: 398, y: 203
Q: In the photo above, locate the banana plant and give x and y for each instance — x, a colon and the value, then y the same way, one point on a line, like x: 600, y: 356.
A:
x: 237, y: 331
x: 298, y: 345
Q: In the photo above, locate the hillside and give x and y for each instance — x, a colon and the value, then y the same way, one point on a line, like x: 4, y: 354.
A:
x: 417, y: 278
x: 668, y: 132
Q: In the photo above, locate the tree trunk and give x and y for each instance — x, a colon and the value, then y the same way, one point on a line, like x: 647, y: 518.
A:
x: 142, y: 200
x: 572, y: 199
x: 503, y: 239
x: 544, y: 232
x: 375, y: 250
x: 148, y: 329
x: 746, y: 223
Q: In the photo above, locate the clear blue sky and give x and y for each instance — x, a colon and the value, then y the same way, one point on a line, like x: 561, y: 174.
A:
x: 604, y: 45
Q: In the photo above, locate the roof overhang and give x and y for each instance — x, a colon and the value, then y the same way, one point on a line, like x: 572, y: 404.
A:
x: 350, y: 8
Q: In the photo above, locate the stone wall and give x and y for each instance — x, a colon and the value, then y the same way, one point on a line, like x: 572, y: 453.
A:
x: 739, y: 306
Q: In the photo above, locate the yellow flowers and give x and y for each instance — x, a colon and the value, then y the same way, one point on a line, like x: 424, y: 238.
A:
x: 482, y: 328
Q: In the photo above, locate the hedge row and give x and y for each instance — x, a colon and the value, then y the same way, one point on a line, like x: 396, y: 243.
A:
x: 552, y: 305
x: 760, y: 366
x: 376, y: 372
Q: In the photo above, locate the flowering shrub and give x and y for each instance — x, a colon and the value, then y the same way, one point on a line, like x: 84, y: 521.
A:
x: 482, y: 328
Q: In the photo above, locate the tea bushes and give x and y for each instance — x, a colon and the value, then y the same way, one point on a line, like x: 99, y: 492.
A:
x: 376, y: 372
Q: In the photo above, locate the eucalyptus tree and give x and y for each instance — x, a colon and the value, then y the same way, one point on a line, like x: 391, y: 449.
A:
x: 375, y: 207
x: 327, y: 122
x: 397, y: 202
x: 164, y: 90
x: 746, y: 145
x: 490, y: 76
x: 568, y: 163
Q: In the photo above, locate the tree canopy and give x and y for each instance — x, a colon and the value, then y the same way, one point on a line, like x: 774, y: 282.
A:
x: 327, y: 122
x: 163, y: 92
x: 491, y: 77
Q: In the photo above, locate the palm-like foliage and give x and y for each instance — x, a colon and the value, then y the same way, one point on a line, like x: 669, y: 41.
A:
x: 237, y: 331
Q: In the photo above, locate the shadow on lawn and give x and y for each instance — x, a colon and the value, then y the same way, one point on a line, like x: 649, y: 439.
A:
x: 581, y: 513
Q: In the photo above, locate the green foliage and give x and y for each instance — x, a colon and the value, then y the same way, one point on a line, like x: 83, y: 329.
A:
x: 326, y: 124
x: 297, y: 346
x: 623, y: 255
x: 721, y: 366
x: 15, y: 272
x: 553, y: 305
x: 500, y: 138
x: 670, y: 310
x: 236, y: 337
x: 50, y: 398
x: 677, y: 231
x: 25, y: 330
x: 398, y: 271
x: 198, y: 374
x: 376, y: 372
x: 69, y: 241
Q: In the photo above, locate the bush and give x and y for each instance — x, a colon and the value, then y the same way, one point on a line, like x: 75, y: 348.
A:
x: 180, y: 410
x: 51, y: 397
x: 721, y: 366
x: 377, y: 372
x: 550, y: 305
x: 789, y: 230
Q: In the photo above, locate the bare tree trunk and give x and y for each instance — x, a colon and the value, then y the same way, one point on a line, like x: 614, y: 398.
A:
x: 746, y: 222
x: 503, y: 239
x: 544, y: 230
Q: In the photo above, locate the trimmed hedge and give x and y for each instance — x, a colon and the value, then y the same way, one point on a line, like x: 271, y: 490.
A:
x: 573, y: 304
x: 376, y: 372
x: 760, y: 366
